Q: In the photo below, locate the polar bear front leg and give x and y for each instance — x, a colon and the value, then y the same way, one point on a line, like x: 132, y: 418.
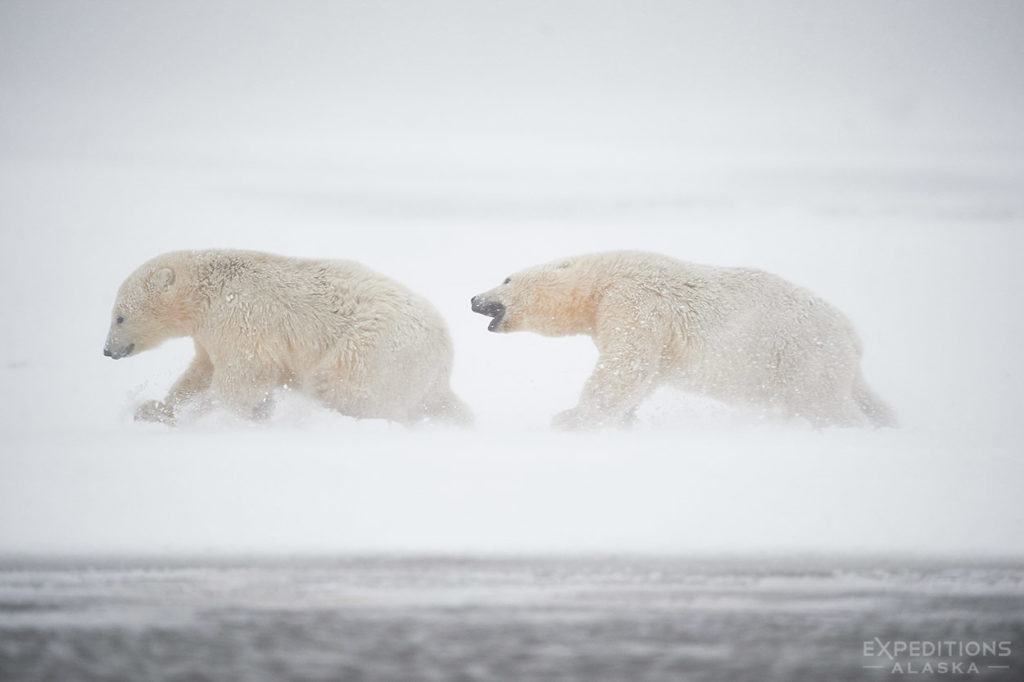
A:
x: 195, y: 381
x: 631, y: 334
x: 623, y: 377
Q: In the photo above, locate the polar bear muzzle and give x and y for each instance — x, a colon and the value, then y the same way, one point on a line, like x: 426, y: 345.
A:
x: 119, y: 353
x: 490, y: 308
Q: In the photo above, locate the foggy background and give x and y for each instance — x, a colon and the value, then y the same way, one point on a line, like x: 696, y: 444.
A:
x: 870, y: 151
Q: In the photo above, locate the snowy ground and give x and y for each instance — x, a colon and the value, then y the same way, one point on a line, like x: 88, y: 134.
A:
x: 923, y: 258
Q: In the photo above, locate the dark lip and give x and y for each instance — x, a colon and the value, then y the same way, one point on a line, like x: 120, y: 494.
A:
x: 492, y: 326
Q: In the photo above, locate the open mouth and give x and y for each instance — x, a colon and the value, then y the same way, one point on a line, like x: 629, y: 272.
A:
x: 492, y: 326
x: 120, y: 353
x: 490, y: 309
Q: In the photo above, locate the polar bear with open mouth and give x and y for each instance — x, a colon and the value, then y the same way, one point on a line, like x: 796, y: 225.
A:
x: 735, y: 334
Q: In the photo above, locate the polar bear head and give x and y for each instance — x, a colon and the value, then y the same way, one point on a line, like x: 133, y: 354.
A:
x: 150, y: 308
x: 555, y: 299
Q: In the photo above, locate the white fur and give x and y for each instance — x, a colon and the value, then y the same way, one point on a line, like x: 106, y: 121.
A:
x: 350, y: 337
x: 735, y: 334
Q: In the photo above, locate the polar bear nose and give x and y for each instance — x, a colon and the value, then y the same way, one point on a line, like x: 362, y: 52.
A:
x: 486, y: 307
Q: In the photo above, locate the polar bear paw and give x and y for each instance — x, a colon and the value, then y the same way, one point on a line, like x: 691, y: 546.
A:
x: 580, y: 420
x: 155, y: 411
x: 571, y: 420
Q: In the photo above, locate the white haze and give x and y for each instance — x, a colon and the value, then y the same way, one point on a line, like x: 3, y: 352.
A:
x: 870, y: 151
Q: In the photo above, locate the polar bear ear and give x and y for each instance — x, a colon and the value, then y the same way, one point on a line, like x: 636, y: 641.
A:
x: 161, y: 279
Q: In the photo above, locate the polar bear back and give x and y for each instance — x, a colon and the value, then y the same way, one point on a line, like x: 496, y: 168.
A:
x: 746, y: 332
x: 308, y: 305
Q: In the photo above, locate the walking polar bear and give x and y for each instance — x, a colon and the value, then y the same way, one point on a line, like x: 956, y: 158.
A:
x: 351, y: 338
x: 735, y: 334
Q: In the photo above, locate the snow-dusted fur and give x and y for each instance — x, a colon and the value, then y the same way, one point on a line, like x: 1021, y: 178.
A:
x: 735, y: 334
x: 335, y: 330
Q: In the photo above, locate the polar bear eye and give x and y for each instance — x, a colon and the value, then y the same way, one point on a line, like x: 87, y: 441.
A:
x: 507, y: 280
x: 120, y: 319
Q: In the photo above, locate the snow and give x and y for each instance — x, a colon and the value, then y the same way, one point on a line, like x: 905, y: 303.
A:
x: 889, y: 182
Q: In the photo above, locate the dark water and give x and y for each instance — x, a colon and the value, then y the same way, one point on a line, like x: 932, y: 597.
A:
x: 594, y: 620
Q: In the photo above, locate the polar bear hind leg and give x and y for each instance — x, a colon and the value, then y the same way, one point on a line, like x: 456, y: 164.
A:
x: 876, y: 409
x: 444, y: 406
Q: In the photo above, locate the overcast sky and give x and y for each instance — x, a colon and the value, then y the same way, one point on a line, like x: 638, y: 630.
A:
x: 486, y: 81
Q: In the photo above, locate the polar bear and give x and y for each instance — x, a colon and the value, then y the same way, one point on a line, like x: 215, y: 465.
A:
x: 349, y: 337
x: 734, y: 334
